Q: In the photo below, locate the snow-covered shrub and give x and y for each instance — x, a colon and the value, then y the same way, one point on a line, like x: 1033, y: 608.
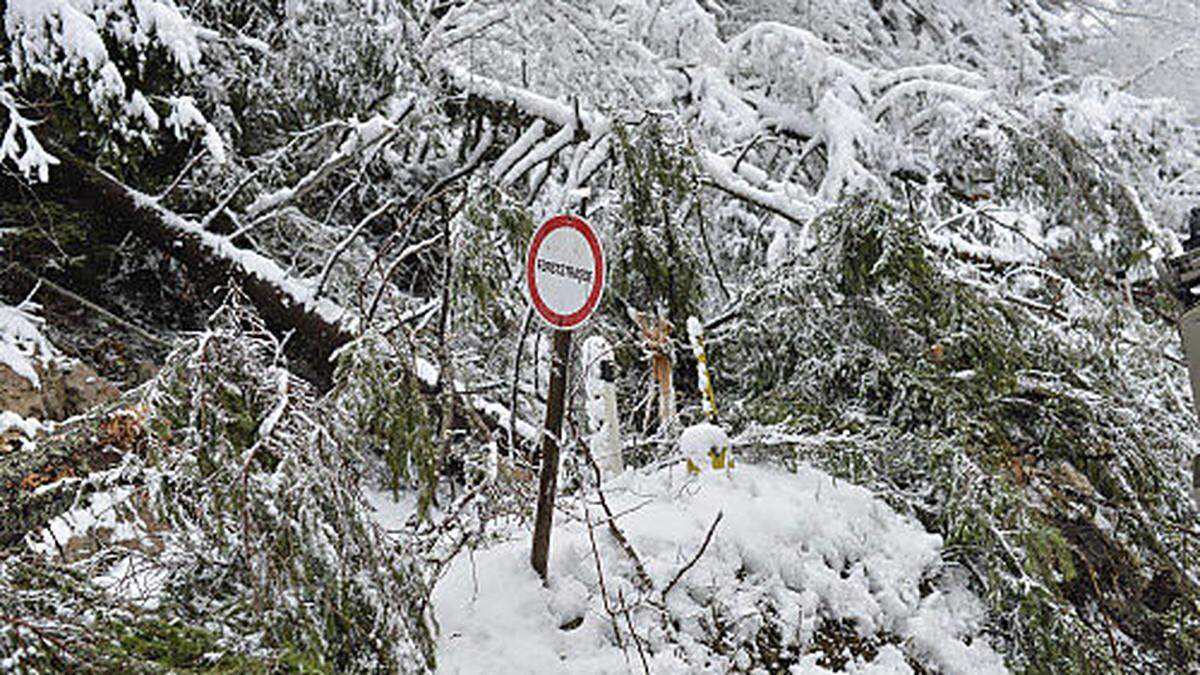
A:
x: 1020, y: 190
x: 1020, y: 40
x: 116, y: 68
x: 378, y: 391
x: 55, y: 620
x: 266, y: 524
x: 656, y: 256
x: 998, y: 417
x: 232, y: 534
x: 489, y: 246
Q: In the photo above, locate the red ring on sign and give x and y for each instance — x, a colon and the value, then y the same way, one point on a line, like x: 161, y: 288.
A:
x: 565, y: 321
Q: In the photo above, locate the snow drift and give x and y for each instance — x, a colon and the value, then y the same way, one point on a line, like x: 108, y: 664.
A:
x: 802, y: 572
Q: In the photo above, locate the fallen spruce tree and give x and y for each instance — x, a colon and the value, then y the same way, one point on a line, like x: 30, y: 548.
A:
x: 226, y: 531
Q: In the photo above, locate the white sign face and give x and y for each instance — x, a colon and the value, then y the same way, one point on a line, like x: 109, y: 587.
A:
x: 565, y: 271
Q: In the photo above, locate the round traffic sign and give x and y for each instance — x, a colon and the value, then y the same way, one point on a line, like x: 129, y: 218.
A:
x: 565, y: 271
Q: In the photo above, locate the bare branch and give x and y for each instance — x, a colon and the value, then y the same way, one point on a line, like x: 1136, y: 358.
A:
x: 359, y: 143
x: 345, y: 243
x: 707, y: 538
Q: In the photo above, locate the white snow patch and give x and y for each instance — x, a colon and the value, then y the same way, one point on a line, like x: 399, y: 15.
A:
x: 137, y: 579
x: 214, y: 144
x: 389, y: 509
x: 10, y: 356
x: 65, y: 42
x: 26, y: 426
x: 174, y: 32
x: 138, y: 106
x: 814, y: 548
x: 184, y: 116
x: 21, y: 342
x: 99, y: 511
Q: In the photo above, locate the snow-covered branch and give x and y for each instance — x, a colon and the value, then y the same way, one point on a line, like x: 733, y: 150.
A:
x: 34, y: 159
x: 798, y: 208
x: 362, y: 139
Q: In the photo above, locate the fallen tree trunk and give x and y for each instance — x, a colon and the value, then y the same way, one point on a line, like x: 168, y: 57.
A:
x: 317, y: 327
x: 39, y: 482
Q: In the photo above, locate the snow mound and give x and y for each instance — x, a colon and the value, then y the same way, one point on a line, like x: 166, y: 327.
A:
x: 793, y: 559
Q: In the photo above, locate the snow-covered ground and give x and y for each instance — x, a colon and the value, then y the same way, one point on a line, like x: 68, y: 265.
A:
x: 791, y: 555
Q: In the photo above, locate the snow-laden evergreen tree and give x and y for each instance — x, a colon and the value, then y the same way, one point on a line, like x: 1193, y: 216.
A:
x: 926, y: 257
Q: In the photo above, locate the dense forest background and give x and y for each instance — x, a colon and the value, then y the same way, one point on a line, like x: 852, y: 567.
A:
x: 261, y: 283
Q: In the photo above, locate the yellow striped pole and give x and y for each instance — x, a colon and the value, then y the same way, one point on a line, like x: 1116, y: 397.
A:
x: 703, y: 376
x: 719, y: 457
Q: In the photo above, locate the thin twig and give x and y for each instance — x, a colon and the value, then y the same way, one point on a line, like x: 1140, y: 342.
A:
x: 643, y: 579
x: 74, y: 297
x: 637, y: 641
x: 512, y: 397
x: 600, y: 576
x: 407, y: 253
x: 1108, y: 622
x: 182, y: 174
x: 345, y: 243
x: 708, y: 538
x: 1183, y: 530
x: 712, y: 261
x: 408, y: 226
x: 742, y: 155
x: 445, y: 382
x: 225, y: 201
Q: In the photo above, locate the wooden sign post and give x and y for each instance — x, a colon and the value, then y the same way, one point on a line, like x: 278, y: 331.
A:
x: 564, y: 271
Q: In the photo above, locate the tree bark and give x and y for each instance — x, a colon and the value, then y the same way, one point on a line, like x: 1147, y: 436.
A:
x: 211, y: 261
